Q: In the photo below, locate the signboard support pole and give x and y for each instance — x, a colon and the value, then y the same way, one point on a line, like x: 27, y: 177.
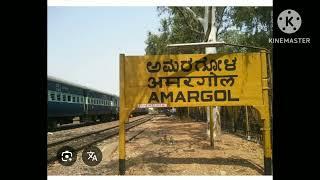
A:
x: 267, y: 147
x: 122, y: 141
x: 122, y: 118
x: 265, y: 116
x: 211, y: 127
x: 266, y: 134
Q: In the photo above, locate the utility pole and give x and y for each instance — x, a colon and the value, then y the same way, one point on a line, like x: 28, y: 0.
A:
x: 209, y: 25
x: 210, y: 15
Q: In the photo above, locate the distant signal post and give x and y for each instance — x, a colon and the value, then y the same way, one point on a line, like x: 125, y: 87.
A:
x: 191, y: 80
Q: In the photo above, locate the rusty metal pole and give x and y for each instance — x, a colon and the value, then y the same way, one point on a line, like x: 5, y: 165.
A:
x: 211, y: 128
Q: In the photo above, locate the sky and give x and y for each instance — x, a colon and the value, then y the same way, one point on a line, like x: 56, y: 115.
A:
x: 84, y: 43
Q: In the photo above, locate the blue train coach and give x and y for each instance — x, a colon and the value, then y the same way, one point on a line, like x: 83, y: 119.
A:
x: 67, y: 100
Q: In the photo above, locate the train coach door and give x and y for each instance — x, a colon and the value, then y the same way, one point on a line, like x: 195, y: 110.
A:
x: 85, y: 104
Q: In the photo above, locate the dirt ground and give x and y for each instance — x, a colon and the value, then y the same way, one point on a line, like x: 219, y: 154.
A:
x: 170, y: 146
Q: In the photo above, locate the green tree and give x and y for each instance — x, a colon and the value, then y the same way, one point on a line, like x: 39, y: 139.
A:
x: 238, y: 25
x: 255, y: 23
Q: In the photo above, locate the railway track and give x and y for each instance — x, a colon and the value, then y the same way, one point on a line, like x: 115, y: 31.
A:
x: 87, y: 139
x: 73, y: 126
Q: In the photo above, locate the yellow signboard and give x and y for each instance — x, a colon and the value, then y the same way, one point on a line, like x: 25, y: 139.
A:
x: 193, y: 80
x: 186, y: 80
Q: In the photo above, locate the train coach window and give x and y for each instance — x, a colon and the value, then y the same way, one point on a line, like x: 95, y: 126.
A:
x: 69, y: 98
x: 78, y: 99
x: 73, y: 99
x: 58, y: 97
x: 64, y: 98
x: 81, y: 99
x: 52, y: 96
